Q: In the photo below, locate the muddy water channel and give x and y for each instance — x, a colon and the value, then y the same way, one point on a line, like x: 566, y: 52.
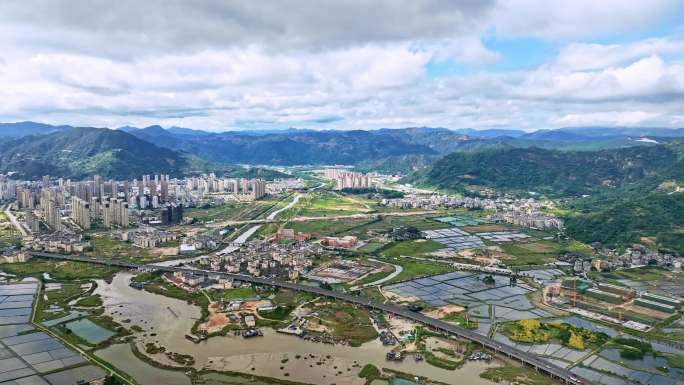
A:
x: 166, y: 321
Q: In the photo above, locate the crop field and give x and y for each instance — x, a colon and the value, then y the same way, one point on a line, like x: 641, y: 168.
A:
x: 413, y: 268
x: 385, y: 223
x: 330, y: 204
x: 485, y: 228
x: 326, y: 227
x: 371, y: 247
x: 412, y: 248
x: 539, y: 247
x: 230, y: 210
x: 539, y: 252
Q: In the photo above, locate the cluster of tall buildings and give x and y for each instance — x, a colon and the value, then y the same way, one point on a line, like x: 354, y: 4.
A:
x: 348, y: 179
x: 242, y: 188
x: 49, y: 201
x: 113, y: 212
x: 86, y: 202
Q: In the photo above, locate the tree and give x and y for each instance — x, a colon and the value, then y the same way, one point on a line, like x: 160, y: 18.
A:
x: 576, y: 341
x: 112, y: 380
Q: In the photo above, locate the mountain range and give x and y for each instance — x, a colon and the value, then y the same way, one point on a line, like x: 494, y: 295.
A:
x: 620, y: 185
x: 294, y: 146
x: 390, y: 150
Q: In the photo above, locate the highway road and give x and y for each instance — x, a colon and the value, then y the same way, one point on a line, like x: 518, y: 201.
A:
x: 328, y: 218
x: 526, y: 358
x: 15, y: 222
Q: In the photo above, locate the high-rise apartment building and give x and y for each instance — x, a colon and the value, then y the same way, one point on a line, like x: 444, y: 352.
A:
x: 80, y: 212
x: 50, y: 209
x: 115, y: 213
x: 258, y: 189
x: 172, y: 214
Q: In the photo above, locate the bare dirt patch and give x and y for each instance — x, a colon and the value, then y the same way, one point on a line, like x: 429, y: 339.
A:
x: 445, y: 311
x: 165, y: 251
x: 216, y: 321
x: 394, y: 297
x: 644, y: 310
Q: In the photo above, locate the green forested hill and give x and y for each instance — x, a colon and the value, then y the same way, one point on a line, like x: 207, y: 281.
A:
x: 556, y: 173
x: 655, y: 218
x: 81, y: 152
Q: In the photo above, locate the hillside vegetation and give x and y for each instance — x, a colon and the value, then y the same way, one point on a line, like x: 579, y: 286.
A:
x: 80, y: 152
x: 555, y: 173
x: 655, y: 218
x: 615, y: 197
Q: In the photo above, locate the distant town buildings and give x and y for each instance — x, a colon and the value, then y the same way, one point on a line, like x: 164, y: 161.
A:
x: 634, y: 256
x: 533, y: 220
x: 240, y: 189
x: 58, y: 242
x: 281, y: 185
x: 348, y: 179
x: 197, y: 242
x: 521, y: 212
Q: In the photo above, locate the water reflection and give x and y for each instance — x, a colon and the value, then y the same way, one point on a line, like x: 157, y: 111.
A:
x: 166, y: 321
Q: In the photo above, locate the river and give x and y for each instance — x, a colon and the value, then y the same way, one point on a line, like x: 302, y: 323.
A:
x: 166, y: 321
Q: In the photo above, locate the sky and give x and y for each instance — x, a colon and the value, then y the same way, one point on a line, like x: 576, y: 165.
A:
x: 352, y: 64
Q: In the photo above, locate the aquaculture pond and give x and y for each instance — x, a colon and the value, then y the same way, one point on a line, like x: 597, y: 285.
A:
x: 89, y: 331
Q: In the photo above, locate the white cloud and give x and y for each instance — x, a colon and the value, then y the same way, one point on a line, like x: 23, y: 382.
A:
x: 356, y: 64
x: 611, y: 118
x: 135, y: 28
x: 585, y: 56
x: 645, y: 78
x: 578, y: 18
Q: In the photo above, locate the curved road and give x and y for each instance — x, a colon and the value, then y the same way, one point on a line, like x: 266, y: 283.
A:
x: 272, y: 215
x: 526, y: 358
x: 397, y: 270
